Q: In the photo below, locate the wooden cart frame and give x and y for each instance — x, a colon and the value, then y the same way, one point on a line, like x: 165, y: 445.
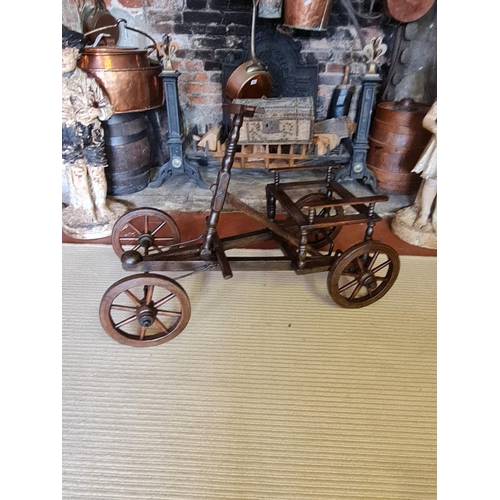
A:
x: 148, y: 309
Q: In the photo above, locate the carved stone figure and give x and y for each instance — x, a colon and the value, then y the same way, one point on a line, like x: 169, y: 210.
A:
x: 417, y: 224
x: 84, y: 104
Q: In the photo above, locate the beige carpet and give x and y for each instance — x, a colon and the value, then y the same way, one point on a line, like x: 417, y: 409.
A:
x: 271, y: 392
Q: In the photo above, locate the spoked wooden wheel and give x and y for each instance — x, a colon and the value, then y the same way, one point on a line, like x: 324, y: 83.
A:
x: 145, y: 230
x: 321, y: 237
x: 144, y: 310
x: 363, y: 274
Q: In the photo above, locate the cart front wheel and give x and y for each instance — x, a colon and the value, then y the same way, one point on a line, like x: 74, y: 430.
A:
x: 363, y: 274
x: 144, y: 310
x: 144, y: 230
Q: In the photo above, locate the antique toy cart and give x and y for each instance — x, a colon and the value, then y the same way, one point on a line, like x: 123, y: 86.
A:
x: 148, y: 309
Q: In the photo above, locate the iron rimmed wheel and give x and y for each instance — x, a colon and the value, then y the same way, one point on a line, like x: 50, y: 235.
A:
x: 363, y: 274
x: 144, y: 310
x: 321, y: 237
x: 144, y: 230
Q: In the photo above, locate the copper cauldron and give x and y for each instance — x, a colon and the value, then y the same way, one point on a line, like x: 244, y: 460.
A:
x: 129, y: 79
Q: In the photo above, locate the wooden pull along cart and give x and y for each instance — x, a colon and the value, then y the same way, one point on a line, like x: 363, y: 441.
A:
x: 148, y: 309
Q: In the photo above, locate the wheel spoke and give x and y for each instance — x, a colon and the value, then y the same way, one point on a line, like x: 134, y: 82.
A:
x: 352, y: 275
x: 361, y: 266
x: 134, y: 228
x: 173, y: 314
x: 125, y: 321
x: 165, y: 299
x: 324, y: 233
x: 372, y: 260
x: 381, y: 266
x: 128, y: 239
x: 142, y: 333
x: 355, y: 292
x: 348, y: 285
x: 149, y: 293
x: 146, y: 223
x: 133, y: 298
x: 158, y: 228
x: 161, y: 325
x: 119, y: 307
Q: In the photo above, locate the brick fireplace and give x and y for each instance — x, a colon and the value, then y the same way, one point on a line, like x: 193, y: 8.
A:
x: 208, y: 31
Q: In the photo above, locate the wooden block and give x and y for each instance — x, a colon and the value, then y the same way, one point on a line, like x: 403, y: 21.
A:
x: 351, y: 126
x: 325, y: 141
x: 337, y: 126
x: 210, y: 138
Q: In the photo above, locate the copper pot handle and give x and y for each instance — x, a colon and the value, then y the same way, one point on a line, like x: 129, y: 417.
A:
x: 124, y: 21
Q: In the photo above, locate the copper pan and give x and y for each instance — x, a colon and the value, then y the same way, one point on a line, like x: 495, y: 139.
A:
x: 407, y: 11
x: 249, y: 80
x: 98, y: 19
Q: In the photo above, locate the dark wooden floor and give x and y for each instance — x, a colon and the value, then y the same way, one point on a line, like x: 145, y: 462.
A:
x: 192, y: 224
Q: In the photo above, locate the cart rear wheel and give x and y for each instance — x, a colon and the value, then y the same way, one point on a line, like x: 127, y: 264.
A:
x: 321, y: 237
x: 144, y: 310
x: 363, y: 274
x: 145, y: 230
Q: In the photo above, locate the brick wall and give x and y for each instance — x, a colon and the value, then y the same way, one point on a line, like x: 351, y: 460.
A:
x: 206, y: 30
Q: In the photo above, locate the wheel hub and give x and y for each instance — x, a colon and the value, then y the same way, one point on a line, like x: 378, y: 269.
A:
x: 146, y: 240
x: 368, y: 280
x: 146, y: 316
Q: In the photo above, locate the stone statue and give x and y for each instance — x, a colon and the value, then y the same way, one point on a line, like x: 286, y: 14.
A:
x: 84, y: 104
x: 417, y: 224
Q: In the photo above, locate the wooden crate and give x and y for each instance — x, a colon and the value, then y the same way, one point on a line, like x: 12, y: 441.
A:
x: 279, y: 156
x: 287, y: 120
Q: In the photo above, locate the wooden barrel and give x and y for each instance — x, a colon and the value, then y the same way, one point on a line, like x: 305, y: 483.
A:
x: 129, y: 153
x: 396, y: 141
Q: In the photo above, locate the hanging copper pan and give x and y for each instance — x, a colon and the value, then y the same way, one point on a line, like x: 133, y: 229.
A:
x: 97, y: 19
x: 407, y: 11
x: 249, y: 80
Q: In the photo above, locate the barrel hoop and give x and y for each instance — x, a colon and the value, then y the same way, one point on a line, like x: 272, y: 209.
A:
x: 126, y: 139
x: 131, y: 173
